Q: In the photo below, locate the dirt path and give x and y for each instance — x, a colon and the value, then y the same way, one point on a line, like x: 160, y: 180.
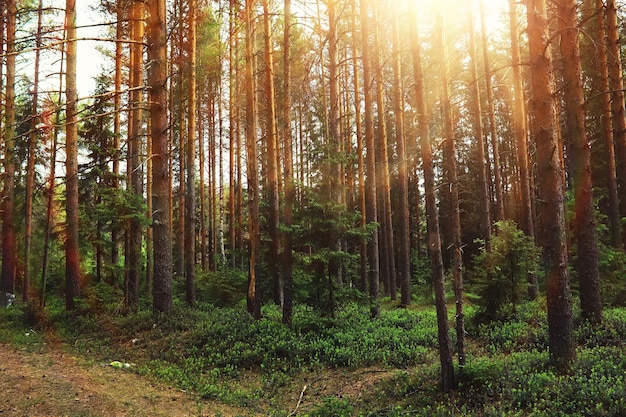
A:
x: 54, y: 383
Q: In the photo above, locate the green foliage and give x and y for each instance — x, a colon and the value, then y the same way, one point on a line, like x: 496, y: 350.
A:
x: 500, y: 277
x: 332, y: 407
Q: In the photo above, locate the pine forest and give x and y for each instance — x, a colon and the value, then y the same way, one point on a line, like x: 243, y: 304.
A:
x: 313, y: 207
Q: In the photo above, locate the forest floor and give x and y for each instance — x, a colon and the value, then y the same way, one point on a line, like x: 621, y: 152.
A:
x: 53, y: 382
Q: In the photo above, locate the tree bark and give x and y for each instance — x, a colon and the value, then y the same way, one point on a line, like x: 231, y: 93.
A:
x: 370, y: 157
x: 451, y: 178
x: 575, y: 129
x: 190, y: 195
x: 288, y: 169
x: 432, y: 216
x: 253, y: 298
x: 520, y: 132
x: 550, y: 176
x: 72, y: 257
x: 161, y: 221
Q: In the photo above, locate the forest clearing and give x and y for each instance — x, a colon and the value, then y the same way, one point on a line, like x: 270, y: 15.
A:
x: 313, y: 207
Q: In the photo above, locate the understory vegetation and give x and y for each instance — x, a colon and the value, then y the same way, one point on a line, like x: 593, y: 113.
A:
x: 349, y: 365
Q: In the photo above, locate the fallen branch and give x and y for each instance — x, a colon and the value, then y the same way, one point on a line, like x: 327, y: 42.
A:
x: 293, y: 413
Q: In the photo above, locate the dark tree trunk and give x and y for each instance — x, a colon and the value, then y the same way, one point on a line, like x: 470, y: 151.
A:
x: 550, y: 176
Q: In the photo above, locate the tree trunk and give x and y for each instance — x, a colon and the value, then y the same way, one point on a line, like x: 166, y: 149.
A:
x: 253, y: 298
x: 432, y: 216
x: 601, y: 70
x: 288, y: 168
x: 161, y: 222
x: 387, y: 258
x: 616, y: 86
x: 404, y: 238
x: 451, y: 178
x: 575, y: 129
x: 520, y: 130
x: 476, y: 104
x: 133, y: 250
x: 190, y: 195
x: 72, y: 258
x: 495, y: 147
x: 370, y: 157
x: 272, y: 155
x: 30, y: 176
x: 550, y: 176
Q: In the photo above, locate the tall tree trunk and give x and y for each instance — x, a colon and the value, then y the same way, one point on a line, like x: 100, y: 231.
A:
x: 432, y: 215
x: 520, y: 131
x: 575, y: 129
x: 359, y: 149
x: 253, y: 299
x: 476, y: 104
x: 495, y: 147
x: 371, y: 215
x: 616, y: 86
x: 550, y: 175
x: 288, y: 169
x: 451, y: 178
x: 404, y: 238
x: 9, y: 260
x: 272, y: 155
x: 133, y: 250
x: 190, y: 195
x: 72, y: 257
x: 30, y: 176
x: 232, y: 179
x: 161, y: 222
x: 602, y: 72
x: 387, y: 260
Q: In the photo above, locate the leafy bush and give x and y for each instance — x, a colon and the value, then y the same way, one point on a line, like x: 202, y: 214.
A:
x: 500, y: 277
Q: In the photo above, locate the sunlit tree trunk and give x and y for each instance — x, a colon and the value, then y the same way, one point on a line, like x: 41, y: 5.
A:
x: 133, y: 241
x: 72, y: 257
x: 432, y: 215
x: 387, y: 261
x: 550, y: 177
x: 476, y: 105
x: 288, y: 169
x: 451, y: 178
x: 30, y: 176
x: 157, y: 79
x: 371, y: 215
x: 495, y: 147
x: 253, y: 298
x: 575, y: 129
x: 520, y: 132
x: 271, y: 133
x: 359, y: 148
x: 190, y: 195
x: 404, y: 239
x: 232, y: 179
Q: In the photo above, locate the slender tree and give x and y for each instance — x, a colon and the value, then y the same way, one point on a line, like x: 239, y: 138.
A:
x: 520, y: 132
x: 72, y: 256
x: 288, y: 169
x: 370, y: 157
x: 550, y: 176
x: 9, y: 260
x: 575, y: 129
x: 162, y: 232
x: 253, y: 298
x: 432, y: 215
x: 190, y: 195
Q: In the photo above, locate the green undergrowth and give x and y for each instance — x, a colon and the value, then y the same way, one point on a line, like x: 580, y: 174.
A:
x: 222, y: 354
